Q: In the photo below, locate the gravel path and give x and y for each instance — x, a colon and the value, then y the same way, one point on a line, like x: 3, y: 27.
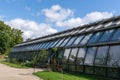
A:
x: 9, y: 73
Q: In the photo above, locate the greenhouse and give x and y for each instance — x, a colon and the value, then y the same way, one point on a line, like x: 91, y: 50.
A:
x: 91, y: 49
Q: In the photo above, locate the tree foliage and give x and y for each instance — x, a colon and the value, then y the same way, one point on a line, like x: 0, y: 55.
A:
x: 9, y: 37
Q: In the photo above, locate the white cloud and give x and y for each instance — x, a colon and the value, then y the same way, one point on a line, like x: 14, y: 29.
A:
x: 63, y: 17
x: 95, y: 16
x: 30, y: 28
x: 91, y: 17
x: 57, y: 16
x: 57, y: 13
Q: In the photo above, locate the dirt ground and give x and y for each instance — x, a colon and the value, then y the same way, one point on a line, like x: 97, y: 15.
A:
x: 9, y: 73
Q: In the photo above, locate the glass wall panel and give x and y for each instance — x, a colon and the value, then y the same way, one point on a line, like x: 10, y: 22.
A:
x: 80, y: 68
x: 114, y: 56
x: 113, y: 72
x: 100, y: 71
x: 66, y: 55
x: 73, y: 55
x: 65, y: 41
x: 90, y: 56
x: 71, y: 67
x: 71, y: 41
x: 116, y: 36
x: 85, y: 39
x: 89, y: 70
x: 106, y: 36
x: 95, y: 37
x: 79, y: 38
x: 80, y: 56
x: 101, y: 55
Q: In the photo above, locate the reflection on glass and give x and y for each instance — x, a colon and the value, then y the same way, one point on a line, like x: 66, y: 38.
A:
x: 66, y: 54
x: 118, y: 22
x: 85, y: 39
x: 80, y: 56
x: 114, y: 56
x: 55, y: 43
x: 90, y: 56
x: 89, y: 70
x: 98, y: 26
x: 113, y: 72
x: 108, y: 24
x: 101, y: 55
x: 79, y: 38
x: 71, y: 67
x: 90, y: 28
x: 116, y: 36
x: 58, y: 44
x: 73, y: 55
x: 81, y: 30
x: 95, y: 37
x: 100, y: 71
x: 71, y: 41
x: 65, y: 41
x: 106, y: 36
x: 49, y: 45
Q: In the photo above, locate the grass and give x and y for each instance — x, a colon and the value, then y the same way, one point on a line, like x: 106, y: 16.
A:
x: 45, y: 75
x: 15, y: 65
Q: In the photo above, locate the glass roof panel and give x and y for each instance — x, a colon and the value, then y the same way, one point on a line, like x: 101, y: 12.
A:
x: 78, y: 39
x: 116, y: 36
x: 47, y: 43
x: 56, y: 41
x: 85, y: 39
x: 65, y: 41
x: 59, y: 43
x: 51, y: 43
x: 95, y: 37
x: 71, y: 41
x: 106, y: 36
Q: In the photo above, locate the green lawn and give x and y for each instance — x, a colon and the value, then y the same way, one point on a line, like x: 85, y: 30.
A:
x: 15, y: 65
x: 58, y: 76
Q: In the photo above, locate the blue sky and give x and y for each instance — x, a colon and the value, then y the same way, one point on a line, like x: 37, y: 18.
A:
x: 41, y: 17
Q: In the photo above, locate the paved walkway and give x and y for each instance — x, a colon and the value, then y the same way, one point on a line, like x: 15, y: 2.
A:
x: 9, y: 73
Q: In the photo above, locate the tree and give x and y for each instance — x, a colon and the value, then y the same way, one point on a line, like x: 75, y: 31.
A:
x: 9, y: 37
